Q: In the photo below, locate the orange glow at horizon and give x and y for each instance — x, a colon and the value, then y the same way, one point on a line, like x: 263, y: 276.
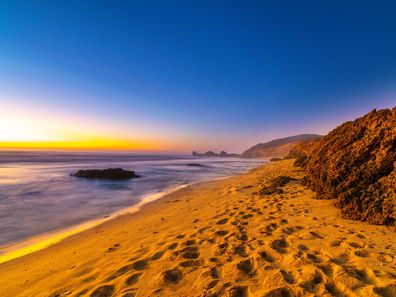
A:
x: 79, y: 145
x: 34, y: 130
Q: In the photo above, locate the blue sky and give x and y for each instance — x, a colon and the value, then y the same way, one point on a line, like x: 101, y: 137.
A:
x: 197, y: 74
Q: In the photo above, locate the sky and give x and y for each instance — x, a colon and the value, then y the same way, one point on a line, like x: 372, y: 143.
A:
x: 178, y: 76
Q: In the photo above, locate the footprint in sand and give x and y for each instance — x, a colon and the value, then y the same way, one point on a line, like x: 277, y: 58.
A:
x: 221, y: 232
x: 220, y: 249
x: 172, y: 276
x: 356, y: 245
x: 271, y: 228
x: 247, y: 216
x: 246, y: 266
x: 280, y: 245
x: 214, y: 273
x: 336, y: 242
x: 365, y: 275
x: 190, y: 252
x: 191, y: 263
x: 140, y: 265
x: 287, y: 276
x: 292, y: 229
x: 103, y: 291
x: 362, y: 253
x: 315, y: 258
x: 241, y: 250
x: 316, y: 235
x: 315, y: 280
x: 133, y: 279
x: 222, y: 221
x: 113, y: 248
x: 327, y: 269
x: 157, y: 256
x: 267, y: 257
x: 190, y: 242
x: 238, y: 291
x: 121, y: 271
x: 173, y: 246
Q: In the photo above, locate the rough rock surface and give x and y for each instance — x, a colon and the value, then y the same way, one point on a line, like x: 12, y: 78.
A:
x: 303, y: 148
x: 356, y: 164
x: 109, y: 173
x: 275, y: 185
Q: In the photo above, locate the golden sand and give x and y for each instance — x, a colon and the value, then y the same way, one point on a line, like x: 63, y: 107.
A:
x: 217, y: 239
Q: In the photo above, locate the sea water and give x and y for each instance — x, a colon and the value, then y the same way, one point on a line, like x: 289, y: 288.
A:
x: 38, y: 194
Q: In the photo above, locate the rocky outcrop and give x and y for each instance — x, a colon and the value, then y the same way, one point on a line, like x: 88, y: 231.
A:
x: 211, y: 154
x: 109, y: 173
x: 302, y: 148
x: 275, y: 159
x: 275, y: 185
x: 356, y: 164
x: 278, y: 148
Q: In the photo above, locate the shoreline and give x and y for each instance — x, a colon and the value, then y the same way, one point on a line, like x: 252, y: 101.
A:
x: 44, y: 240
x: 217, y: 238
x: 9, y: 252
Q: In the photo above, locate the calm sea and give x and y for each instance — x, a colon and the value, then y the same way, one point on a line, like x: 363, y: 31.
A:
x: 37, y: 193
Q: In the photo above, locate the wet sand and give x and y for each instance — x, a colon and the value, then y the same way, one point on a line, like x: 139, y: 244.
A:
x: 218, y: 238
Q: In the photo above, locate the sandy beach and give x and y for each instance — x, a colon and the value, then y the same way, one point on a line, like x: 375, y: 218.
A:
x: 217, y: 238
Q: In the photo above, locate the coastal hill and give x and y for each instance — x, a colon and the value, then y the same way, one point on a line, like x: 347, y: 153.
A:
x: 356, y: 164
x: 280, y: 147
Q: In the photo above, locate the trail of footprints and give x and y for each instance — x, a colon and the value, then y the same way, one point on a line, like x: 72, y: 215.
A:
x: 238, y: 258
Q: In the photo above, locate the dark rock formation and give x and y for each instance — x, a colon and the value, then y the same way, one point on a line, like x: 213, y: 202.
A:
x: 278, y: 147
x: 282, y: 181
x: 109, y: 173
x: 275, y: 159
x: 210, y: 154
x: 275, y: 185
x: 355, y: 164
x: 300, y: 161
x: 194, y: 165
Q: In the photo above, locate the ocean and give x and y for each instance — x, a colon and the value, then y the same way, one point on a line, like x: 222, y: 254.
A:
x: 38, y: 195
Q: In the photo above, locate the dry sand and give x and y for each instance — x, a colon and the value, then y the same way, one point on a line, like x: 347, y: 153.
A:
x: 217, y: 239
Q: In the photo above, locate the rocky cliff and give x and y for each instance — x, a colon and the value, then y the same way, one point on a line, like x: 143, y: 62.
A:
x: 278, y: 147
x: 302, y: 149
x: 355, y: 164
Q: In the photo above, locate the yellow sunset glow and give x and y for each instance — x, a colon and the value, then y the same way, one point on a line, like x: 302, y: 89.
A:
x: 31, y: 130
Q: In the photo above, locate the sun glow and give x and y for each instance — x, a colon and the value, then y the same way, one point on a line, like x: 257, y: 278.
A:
x: 21, y: 129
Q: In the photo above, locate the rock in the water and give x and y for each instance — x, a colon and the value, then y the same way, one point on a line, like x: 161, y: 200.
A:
x: 211, y: 154
x: 109, y: 173
x: 194, y: 165
x: 356, y: 164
